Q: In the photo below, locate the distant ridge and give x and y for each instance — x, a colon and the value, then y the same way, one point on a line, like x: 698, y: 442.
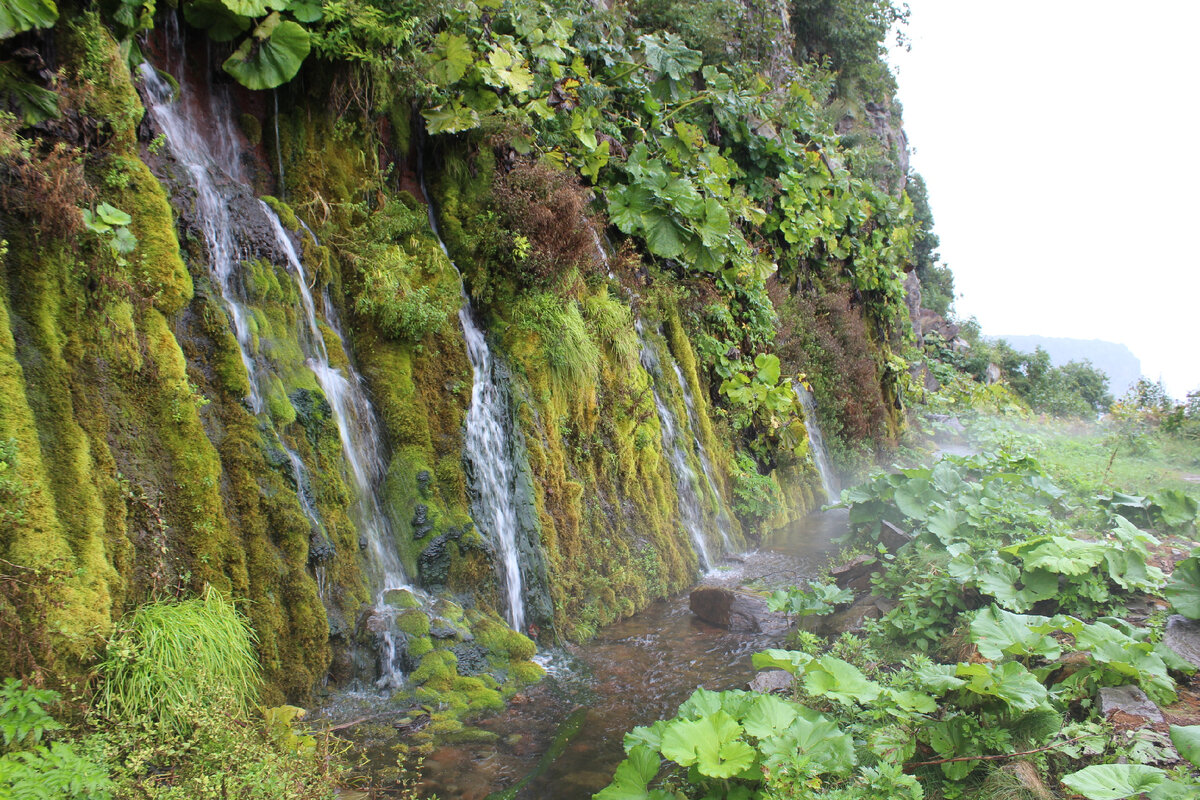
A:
x: 1118, y: 361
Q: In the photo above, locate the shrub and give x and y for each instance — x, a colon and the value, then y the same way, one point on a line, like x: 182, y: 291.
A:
x: 548, y: 207
x: 402, y: 312
x: 170, y: 656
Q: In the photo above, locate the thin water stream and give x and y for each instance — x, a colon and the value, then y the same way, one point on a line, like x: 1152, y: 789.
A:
x: 632, y: 673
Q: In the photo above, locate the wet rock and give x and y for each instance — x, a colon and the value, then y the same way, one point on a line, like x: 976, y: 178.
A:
x: 855, y: 574
x: 320, y: 550
x: 771, y: 680
x: 424, y: 479
x: 472, y: 659
x: 892, y: 537
x: 844, y: 621
x: 1183, y: 636
x: 444, y: 629
x: 735, y: 611
x: 421, y: 524
x: 1129, y: 701
x: 434, y: 562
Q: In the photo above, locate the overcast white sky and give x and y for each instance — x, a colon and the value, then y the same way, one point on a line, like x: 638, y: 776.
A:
x: 1060, y: 141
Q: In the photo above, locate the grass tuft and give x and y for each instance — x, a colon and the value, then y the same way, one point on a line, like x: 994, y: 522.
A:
x: 170, y: 656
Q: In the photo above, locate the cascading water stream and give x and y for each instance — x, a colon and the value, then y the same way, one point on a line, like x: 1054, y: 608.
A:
x: 816, y: 442
x: 705, y: 465
x: 216, y: 223
x: 211, y: 167
x: 685, y: 478
x: 355, y: 423
x: 491, y: 469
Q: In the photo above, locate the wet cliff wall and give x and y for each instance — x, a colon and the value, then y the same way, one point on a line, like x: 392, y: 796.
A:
x: 646, y: 336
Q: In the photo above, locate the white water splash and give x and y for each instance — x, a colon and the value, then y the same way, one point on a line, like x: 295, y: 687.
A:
x: 705, y: 464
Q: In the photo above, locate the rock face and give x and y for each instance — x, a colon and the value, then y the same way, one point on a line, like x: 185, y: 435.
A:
x: 735, y: 611
x: 1183, y: 636
x: 1130, y: 701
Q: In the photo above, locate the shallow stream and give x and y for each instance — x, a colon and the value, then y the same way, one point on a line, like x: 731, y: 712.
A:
x: 632, y: 673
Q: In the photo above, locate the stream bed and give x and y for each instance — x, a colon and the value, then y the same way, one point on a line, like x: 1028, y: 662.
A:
x: 632, y: 673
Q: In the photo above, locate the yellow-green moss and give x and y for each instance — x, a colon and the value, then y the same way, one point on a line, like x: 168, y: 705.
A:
x: 413, y: 622
x: 526, y: 673
x: 499, y: 638
x: 436, y: 667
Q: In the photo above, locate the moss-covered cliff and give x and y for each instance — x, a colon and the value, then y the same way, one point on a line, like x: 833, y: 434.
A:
x: 655, y: 239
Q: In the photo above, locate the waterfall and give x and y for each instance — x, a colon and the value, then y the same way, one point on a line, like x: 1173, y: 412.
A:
x: 816, y: 442
x: 685, y: 479
x: 705, y: 464
x: 357, y: 429
x: 487, y: 452
x: 216, y: 222
x: 212, y: 167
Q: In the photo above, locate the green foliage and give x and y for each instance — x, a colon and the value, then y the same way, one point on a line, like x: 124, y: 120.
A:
x: 168, y: 656
x: 31, y: 769
x: 757, y: 497
x: 1183, y: 590
x: 613, y: 324
x: 821, y: 598
x: 566, y: 347
x: 276, y: 46
x: 18, y: 16
x: 992, y: 526
x: 733, y: 742
x: 1115, y: 781
x: 272, y: 54
x: 404, y: 313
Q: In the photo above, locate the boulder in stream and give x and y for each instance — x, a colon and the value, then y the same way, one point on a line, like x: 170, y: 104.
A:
x: 735, y: 611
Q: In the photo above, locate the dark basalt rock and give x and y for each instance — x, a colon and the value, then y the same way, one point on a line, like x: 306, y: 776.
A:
x: 472, y: 659
x: 424, y: 479
x: 1128, y: 700
x: 320, y: 550
x: 421, y: 524
x: 735, y: 611
x: 434, y: 562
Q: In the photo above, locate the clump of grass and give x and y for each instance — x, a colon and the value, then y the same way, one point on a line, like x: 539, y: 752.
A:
x: 613, y: 323
x: 170, y: 656
x: 567, y: 349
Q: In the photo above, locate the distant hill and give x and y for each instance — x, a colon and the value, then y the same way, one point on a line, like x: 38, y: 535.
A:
x: 1117, y: 361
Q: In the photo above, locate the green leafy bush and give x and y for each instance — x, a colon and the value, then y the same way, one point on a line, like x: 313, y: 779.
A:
x: 33, y: 769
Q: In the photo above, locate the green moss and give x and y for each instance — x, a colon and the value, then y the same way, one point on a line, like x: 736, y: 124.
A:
x: 437, y: 668
x: 419, y: 646
x: 285, y: 213
x: 413, y: 622
x: 251, y: 128
x: 500, y: 639
x: 526, y: 673
x: 283, y: 413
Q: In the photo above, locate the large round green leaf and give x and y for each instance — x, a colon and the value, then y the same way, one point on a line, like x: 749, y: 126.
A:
x: 1187, y: 741
x: 221, y: 24
x: 1184, y: 589
x: 1114, y: 781
x: 271, y: 56
x: 18, y: 16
